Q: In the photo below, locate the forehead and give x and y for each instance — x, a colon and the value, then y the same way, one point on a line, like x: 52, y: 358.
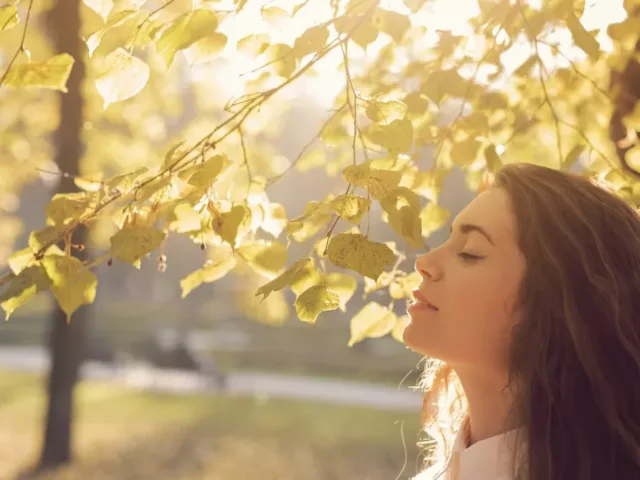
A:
x: 491, y: 210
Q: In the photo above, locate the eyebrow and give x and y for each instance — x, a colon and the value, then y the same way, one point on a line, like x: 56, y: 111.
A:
x: 469, y: 227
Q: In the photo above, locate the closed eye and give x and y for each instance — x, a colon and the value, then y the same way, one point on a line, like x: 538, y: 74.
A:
x: 467, y: 257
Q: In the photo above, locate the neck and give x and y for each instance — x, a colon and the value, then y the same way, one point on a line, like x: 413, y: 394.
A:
x: 490, y: 403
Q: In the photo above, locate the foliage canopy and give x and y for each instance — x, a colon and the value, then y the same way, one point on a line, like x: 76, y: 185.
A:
x: 471, y: 84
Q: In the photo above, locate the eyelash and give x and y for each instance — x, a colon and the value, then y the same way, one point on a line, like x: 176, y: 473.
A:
x: 467, y: 257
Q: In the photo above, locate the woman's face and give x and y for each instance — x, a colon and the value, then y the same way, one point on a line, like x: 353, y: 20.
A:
x: 472, y: 280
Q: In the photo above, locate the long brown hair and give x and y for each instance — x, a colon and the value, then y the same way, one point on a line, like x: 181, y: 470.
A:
x: 575, y: 352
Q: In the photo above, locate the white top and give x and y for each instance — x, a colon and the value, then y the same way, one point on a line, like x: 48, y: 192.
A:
x: 489, y: 459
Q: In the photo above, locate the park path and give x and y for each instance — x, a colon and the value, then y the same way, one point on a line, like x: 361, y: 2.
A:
x: 259, y: 385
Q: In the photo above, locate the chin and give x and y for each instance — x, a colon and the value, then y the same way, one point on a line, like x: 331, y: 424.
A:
x: 413, y: 338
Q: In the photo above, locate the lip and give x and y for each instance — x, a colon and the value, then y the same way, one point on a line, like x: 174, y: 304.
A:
x: 422, y: 302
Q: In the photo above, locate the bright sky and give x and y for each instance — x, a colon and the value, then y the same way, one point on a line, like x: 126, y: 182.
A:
x: 450, y: 15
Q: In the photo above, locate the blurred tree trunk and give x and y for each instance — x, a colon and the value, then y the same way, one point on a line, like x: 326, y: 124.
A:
x: 66, y: 341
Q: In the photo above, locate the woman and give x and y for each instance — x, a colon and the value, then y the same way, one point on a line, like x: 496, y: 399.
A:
x: 531, y: 311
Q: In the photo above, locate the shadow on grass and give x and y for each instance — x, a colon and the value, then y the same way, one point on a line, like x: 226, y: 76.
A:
x: 198, y: 451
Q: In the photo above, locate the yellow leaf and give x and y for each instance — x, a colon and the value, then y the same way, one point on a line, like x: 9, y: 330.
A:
x: 207, y: 274
x: 40, y: 238
x: 314, y: 301
x: 306, y: 277
x: 397, y: 137
x: 184, y: 31
x: 135, y: 241
x: 254, y: 45
x: 444, y: 82
x: 464, y: 153
x: 398, y: 329
x: 283, y: 59
x: 402, y: 287
x: 373, y: 321
x: 19, y: 260
x: 266, y: 258
x: 183, y: 218
x: 355, y: 252
x: 343, y: 285
x: 209, y: 172
x: 51, y: 74
x: 360, y: 27
x: 101, y: 7
x: 8, y: 17
x: 125, y: 181
x: 356, y: 7
x: 433, y: 217
x: 155, y: 186
x: 312, y: 40
x: 633, y: 158
x: 350, y: 207
x: 284, y: 278
x: 94, y: 40
x: 379, y: 182
x: 22, y: 288
x: 72, y: 283
x: 392, y: 23
x: 315, y: 215
x: 206, y: 49
x: 173, y: 155
x: 275, y: 16
x: 428, y: 183
x: 64, y: 208
x: 120, y: 76
x: 275, y: 221
x: 583, y: 39
x: 416, y: 103
x: 403, y: 208
x: 632, y: 120
x: 572, y: 156
x: 491, y: 157
x: 414, y: 5
x: 386, y: 112
x: 232, y: 224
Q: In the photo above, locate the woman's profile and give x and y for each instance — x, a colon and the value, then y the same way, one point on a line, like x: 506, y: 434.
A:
x: 530, y: 312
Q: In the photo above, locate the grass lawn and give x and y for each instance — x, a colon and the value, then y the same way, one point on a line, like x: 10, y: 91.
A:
x: 123, y: 434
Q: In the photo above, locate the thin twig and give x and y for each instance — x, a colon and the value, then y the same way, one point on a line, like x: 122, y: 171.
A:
x: 246, y: 159
x: 146, y: 19
x: 613, y: 164
x: 21, y: 46
x: 575, y: 69
x: 543, y: 71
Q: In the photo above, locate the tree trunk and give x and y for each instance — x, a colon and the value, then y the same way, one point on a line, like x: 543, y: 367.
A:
x: 66, y: 340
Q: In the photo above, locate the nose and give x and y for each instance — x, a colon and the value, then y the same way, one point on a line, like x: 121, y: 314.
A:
x: 427, y: 266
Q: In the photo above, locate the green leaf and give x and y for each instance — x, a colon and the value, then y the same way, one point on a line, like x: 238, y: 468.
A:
x: 184, y: 31
x: 314, y: 301
x: 396, y: 138
x: 433, y: 218
x: 8, y: 17
x: 464, y: 152
x: 72, y: 283
x: 22, y: 288
x: 207, y: 274
x: 51, y: 74
x: 135, y: 241
x: 392, y: 23
x: 355, y: 252
x: 583, y: 39
x: 206, y: 49
x: 373, y: 321
x: 283, y: 59
x: 120, y: 76
x: 312, y: 40
x: 350, y: 207
x: 265, y: 258
x: 386, y: 112
x: 283, y: 279
x: 343, y: 285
